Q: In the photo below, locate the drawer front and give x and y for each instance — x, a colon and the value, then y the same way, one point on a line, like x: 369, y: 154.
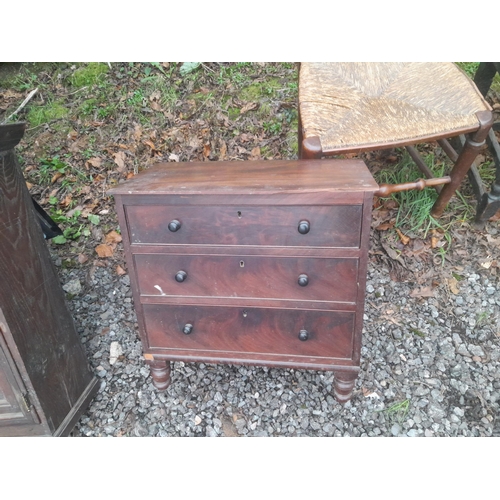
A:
x: 329, y: 226
x: 222, y: 331
x: 248, y: 276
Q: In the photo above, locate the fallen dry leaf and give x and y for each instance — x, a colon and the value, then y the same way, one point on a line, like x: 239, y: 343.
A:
x: 453, y: 285
x: 82, y: 258
x: 150, y: 144
x: 95, y: 162
x: 206, y: 150
x: 248, y: 107
x: 120, y: 271
x: 255, y: 153
x: 29, y: 185
x: 113, y: 237
x: 223, y: 151
x: 104, y: 251
x: 66, y: 202
x: 119, y: 159
x: 404, y: 239
x: 425, y: 291
x: 385, y: 226
x: 56, y: 176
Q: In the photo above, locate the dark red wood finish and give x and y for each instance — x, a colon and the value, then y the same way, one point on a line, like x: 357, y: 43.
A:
x: 236, y: 240
x: 248, y: 276
x: 228, y: 331
x: 330, y: 226
x: 43, y: 361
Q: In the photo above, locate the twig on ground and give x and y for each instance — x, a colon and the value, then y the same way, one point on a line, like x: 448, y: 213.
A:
x: 207, y: 68
x: 30, y: 95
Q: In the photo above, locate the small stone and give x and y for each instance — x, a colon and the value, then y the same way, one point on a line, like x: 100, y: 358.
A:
x: 476, y: 350
x: 490, y: 290
x: 396, y: 430
x: 73, y: 287
x: 197, y: 420
x: 115, y: 351
x: 412, y: 433
x: 458, y: 411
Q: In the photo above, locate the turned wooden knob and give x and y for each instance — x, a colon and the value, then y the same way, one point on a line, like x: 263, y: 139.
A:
x: 174, y: 225
x: 303, y: 280
x: 188, y: 328
x: 304, y: 227
x: 303, y: 335
x: 181, y: 276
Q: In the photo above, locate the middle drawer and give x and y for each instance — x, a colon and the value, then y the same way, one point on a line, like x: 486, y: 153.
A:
x: 266, y: 277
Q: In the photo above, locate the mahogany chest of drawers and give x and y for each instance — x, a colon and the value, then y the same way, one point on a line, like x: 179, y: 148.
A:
x: 259, y: 262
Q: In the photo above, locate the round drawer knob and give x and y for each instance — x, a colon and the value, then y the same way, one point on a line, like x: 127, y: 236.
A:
x: 303, y: 335
x: 188, y: 328
x: 303, y: 280
x: 304, y: 227
x: 181, y: 276
x: 174, y: 225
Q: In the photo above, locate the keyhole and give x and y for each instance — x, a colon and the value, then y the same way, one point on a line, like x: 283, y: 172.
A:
x: 245, y: 314
x: 238, y: 213
x: 242, y: 263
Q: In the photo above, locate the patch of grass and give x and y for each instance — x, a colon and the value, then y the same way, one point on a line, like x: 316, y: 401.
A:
x: 415, y: 206
x: 137, y: 99
x: 233, y: 74
x: 91, y: 74
x: 233, y: 113
x: 38, y: 115
x: 88, y: 107
x: 273, y: 127
x: 482, y: 318
x: 469, y: 67
x: 259, y: 90
x: 417, y: 332
x: 398, y: 412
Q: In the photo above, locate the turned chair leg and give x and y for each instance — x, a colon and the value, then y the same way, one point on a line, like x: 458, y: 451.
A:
x: 472, y: 146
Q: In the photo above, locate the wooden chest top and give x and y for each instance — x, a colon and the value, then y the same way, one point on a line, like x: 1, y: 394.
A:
x: 246, y: 178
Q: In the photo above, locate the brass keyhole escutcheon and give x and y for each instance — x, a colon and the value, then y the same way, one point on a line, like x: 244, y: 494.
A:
x: 245, y: 314
x: 238, y: 213
x: 242, y: 263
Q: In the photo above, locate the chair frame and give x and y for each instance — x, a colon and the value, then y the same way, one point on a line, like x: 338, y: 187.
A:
x: 473, y: 141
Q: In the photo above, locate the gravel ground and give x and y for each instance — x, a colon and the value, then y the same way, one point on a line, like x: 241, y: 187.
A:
x: 430, y: 365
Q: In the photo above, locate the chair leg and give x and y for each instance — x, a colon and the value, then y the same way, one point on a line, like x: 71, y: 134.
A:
x: 473, y: 145
x: 490, y: 202
x: 311, y: 148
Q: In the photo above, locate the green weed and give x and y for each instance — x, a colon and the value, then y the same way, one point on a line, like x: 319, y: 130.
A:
x: 415, y: 206
x: 482, y: 318
x: 398, y: 411
x: 38, y: 115
x: 91, y: 74
x: 469, y: 67
x: 273, y: 127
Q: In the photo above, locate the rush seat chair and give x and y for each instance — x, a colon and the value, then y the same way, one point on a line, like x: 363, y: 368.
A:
x: 356, y: 107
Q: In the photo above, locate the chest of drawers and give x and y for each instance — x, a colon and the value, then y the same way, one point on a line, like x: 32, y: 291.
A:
x: 250, y: 262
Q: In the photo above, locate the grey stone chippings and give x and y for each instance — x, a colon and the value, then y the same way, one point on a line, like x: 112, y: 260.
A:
x: 430, y: 367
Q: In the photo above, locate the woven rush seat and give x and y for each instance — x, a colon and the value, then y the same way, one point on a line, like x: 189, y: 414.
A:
x: 355, y: 107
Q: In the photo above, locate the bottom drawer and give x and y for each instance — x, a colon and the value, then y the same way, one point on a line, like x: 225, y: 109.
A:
x: 225, y: 331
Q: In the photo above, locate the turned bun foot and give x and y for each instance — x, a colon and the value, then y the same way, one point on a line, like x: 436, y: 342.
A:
x: 160, y: 371
x: 343, y: 384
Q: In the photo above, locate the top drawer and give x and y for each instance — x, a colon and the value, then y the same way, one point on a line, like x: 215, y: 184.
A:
x: 322, y: 226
